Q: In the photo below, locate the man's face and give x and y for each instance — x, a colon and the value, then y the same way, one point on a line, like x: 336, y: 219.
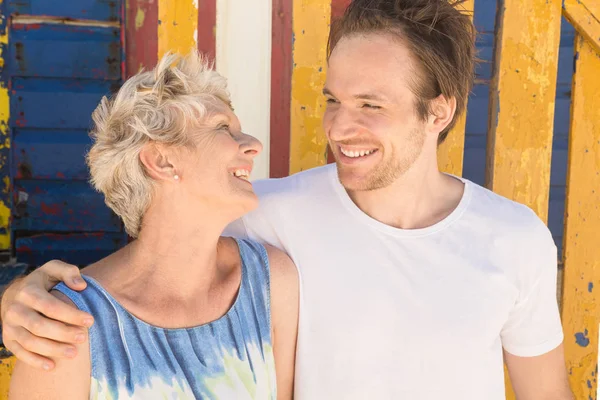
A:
x: 371, y: 122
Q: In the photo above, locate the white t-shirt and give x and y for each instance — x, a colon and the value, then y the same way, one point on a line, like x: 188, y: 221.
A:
x: 416, y: 314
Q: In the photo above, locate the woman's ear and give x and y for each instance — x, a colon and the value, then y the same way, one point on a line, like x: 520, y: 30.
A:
x: 159, y: 161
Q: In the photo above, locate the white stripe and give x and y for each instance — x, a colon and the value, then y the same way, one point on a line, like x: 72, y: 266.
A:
x: 243, y: 55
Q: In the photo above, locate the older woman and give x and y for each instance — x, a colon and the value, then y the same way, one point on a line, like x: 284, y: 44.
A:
x: 181, y: 313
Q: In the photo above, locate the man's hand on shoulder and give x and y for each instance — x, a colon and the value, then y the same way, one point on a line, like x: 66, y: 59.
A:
x: 36, y: 326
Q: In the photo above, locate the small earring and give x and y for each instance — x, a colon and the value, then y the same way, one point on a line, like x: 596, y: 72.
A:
x: 176, y: 177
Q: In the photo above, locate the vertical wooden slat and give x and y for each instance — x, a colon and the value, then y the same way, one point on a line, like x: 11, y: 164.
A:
x: 141, y: 41
x: 243, y: 54
x: 4, y: 134
x: 281, y: 88
x: 177, y: 26
x: 451, y: 152
x: 6, y: 367
x: 310, y: 30
x: 522, y: 98
x: 581, y: 293
x: 207, y: 21
x: 6, y: 363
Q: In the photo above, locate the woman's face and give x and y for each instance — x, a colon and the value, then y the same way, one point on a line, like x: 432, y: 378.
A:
x: 217, y: 169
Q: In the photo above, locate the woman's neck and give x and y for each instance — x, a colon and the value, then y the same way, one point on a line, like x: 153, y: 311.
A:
x: 176, y: 266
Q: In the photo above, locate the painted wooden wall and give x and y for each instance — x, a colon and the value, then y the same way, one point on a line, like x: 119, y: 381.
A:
x: 531, y: 131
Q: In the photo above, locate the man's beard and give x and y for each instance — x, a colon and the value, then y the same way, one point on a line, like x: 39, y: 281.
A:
x: 387, y: 171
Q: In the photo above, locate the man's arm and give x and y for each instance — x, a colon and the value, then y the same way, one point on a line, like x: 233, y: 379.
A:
x: 70, y: 379
x: 541, y: 377
x: 284, y: 317
x: 34, y: 321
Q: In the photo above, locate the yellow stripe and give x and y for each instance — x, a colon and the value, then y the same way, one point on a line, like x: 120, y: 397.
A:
x: 585, y: 16
x: 310, y: 28
x: 522, y: 96
x: 177, y: 26
x: 4, y: 143
x: 451, y: 152
x: 581, y: 296
x: 6, y: 367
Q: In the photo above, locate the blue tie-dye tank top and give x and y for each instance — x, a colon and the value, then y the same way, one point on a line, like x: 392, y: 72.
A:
x: 230, y: 358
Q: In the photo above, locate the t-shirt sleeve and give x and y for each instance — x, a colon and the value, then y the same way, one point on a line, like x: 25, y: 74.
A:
x: 236, y: 229
x: 257, y: 225
x: 534, y: 326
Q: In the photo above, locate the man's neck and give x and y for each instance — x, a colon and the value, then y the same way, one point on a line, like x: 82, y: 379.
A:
x: 418, y: 199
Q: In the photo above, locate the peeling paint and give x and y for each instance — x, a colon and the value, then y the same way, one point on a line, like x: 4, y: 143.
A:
x: 140, y: 15
x: 178, y: 24
x: 36, y: 20
x: 307, y: 141
x: 5, y: 211
x: 581, y: 303
x: 522, y: 124
x: 581, y: 339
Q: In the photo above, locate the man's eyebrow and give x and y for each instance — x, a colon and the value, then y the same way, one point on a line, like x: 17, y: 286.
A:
x: 370, y: 96
x: 361, y: 96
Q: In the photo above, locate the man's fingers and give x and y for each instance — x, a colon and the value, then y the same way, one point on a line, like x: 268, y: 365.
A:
x: 21, y: 316
x: 29, y: 358
x: 42, y: 346
x: 57, y: 271
x: 48, y: 305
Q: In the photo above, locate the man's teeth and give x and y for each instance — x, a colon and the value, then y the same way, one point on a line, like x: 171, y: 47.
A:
x: 354, y: 154
x: 241, y: 173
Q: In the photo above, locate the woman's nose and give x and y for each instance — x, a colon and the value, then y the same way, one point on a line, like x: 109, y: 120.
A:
x: 251, y: 145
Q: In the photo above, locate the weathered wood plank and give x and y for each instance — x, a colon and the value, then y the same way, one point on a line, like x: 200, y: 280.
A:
x: 522, y: 99
x: 243, y: 54
x: 281, y: 88
x: 581, y: 294
x: 207, y: 21
x: 4, y: 134
x: 310, y: 31
x: 61, y: 51
x: 102, y: 10
x: 451, y: 152
x: 60, y: 103
x: 141, y: 35
x: 585, y: 17
x: 80, y: 249
x: 177, y: 26
x: 60, y: 206
x: 7, y: 363
x: 50, y: 154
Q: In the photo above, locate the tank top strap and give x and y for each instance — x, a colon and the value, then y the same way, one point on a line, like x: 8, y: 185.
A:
x: 256, y: 277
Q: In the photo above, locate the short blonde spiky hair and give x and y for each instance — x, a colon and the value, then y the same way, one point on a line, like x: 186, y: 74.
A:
x: 155, y: 106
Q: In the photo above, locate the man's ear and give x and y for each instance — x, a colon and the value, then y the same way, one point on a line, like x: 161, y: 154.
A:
x: 442, y: 111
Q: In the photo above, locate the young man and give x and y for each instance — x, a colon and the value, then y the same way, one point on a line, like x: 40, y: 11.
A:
x: 415, y: 284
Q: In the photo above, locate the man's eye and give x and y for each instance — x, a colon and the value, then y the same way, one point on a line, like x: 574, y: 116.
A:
x: 331, y: 101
